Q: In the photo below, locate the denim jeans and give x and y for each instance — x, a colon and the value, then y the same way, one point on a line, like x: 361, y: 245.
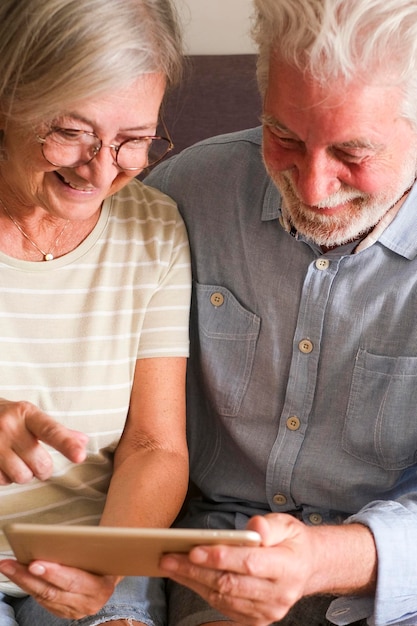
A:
x: 136, y: 598
x: 7, y: 616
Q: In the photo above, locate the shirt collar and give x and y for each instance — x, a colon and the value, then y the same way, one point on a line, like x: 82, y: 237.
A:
x: 401, y: 235
x: 271, y: 209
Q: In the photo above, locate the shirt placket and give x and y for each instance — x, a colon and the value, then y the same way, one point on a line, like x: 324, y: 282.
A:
x: 301, y: 383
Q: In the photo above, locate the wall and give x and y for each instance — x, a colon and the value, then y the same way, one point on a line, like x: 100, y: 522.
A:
x: 216, y: 26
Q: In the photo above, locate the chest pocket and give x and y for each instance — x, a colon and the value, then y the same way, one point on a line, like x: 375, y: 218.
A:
x: 381, y: 421
x: 227, y: 335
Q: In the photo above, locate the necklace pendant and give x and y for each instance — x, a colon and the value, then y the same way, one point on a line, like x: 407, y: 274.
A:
x: 47, y: 256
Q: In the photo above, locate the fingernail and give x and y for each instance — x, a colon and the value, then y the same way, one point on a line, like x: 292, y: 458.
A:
x: 169, y: 563
x: 37, y: 569
x: 8, y: 568
x: 199, y: 555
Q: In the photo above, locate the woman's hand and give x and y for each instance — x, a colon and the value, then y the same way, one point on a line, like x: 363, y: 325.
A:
x: 64, y: 591
x: 22, y: 457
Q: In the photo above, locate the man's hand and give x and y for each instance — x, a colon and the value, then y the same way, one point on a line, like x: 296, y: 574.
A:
x: 22, y: 427
x: 64, y: 591
x: 257, y: 586
x: 254, y: 586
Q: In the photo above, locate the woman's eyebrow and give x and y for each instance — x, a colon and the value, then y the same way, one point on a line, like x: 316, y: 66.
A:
x: 80, y: 118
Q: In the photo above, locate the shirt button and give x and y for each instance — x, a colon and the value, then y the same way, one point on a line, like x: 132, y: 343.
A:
x: 315, y: 518
x: 216, y: 299
x: 293, y: 423
x: 322, y: 264
x: 305, y: 346
x: 279, y: 499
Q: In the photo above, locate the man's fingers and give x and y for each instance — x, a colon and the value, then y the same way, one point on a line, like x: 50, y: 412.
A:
x: 245, y: 599
x: 274, y: 528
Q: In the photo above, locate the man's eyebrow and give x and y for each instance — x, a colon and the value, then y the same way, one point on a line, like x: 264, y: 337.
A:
x: 359, y: 143
x: 269, y: 120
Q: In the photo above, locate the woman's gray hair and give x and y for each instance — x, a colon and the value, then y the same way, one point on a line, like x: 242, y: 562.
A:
x: 53, y: 52
x: 348, y: 39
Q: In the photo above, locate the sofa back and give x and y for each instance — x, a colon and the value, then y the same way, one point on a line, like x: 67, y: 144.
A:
x: 219, y: 94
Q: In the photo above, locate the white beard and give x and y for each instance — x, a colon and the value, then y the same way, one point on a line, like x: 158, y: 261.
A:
x: 362, y: 212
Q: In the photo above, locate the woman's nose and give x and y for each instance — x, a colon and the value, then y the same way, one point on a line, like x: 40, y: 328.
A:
x: 102, y: 169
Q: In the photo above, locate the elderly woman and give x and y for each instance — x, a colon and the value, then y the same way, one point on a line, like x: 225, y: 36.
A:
x: 94, y: 295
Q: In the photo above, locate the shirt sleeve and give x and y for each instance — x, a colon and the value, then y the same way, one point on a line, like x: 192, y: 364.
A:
x: 394, y: 527
x: 165, y: 329
x: 159, y: 176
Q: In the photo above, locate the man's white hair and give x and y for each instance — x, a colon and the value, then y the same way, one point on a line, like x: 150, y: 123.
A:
x: 342, y: 39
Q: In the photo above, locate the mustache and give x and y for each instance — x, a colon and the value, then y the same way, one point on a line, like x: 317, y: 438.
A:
x: 342, y: 196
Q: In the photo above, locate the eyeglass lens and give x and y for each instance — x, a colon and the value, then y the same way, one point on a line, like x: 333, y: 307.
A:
x: 67, y: 148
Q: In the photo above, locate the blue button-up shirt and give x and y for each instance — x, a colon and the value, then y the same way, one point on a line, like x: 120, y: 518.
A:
x: 302, y: 386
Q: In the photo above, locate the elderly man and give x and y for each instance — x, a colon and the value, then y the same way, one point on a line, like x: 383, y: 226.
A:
x: 302, y: 386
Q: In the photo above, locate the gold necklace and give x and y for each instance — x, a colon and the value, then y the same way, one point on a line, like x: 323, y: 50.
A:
x: 47, y: 256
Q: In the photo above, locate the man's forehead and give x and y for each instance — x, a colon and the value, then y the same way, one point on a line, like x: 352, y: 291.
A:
x: 328, y: 91
x: 366, y: 114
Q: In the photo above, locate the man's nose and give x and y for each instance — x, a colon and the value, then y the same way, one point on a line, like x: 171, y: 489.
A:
x: 316, y: 178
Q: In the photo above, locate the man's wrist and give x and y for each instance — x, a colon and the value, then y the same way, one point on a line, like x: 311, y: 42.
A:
x: 344, y: 560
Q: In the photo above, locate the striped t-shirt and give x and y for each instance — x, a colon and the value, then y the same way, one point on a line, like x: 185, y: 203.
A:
x: 71, y: 330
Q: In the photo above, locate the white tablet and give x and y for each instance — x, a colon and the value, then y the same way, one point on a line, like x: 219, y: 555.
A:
x: 118, y: 551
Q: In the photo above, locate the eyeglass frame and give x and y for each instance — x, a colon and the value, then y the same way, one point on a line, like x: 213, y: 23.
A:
x: 115, y: 147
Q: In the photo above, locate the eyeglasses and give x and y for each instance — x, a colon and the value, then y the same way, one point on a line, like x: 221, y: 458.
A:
x: 69, y: 147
